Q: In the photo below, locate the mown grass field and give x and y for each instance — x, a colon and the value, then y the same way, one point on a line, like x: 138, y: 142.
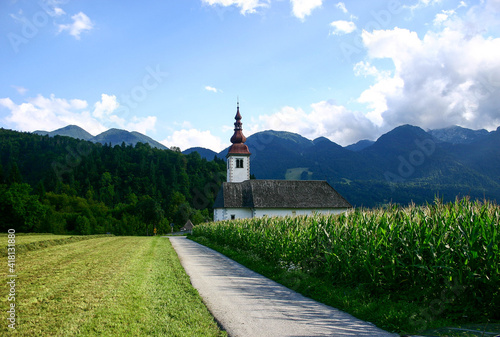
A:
x: 108, y: 286
x: 26, y: 239
x: 405, y: 269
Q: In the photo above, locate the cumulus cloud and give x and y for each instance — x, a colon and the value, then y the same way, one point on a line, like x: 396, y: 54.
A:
x: 246, y: 6
x: 444, y: 78
x: 105, y: 106
x: 212, y: 89
x: 141, y: 124
x: 187, y: 138
x: 303, y: 8
x: 81, y: 23
x: 325, y: 119
x: 342, y: 7
x: 42, y: 113
x: 342, y: 27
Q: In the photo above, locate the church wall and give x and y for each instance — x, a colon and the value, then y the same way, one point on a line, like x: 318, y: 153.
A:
x: 240, y: 213
x: 270, y: 212
x: 225, y: 213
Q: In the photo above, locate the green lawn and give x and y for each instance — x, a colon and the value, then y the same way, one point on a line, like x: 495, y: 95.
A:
x: 111, y: 286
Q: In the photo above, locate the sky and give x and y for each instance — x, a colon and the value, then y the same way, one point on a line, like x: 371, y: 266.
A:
x: 175, y: 70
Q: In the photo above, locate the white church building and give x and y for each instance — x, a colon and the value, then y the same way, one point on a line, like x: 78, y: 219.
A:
x: 241, y: 197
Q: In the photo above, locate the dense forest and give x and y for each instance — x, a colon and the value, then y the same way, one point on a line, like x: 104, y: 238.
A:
x: 64, y: 185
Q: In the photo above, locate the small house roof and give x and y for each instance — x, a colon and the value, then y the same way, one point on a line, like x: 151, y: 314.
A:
x: 188, y: 226
x: 279, y: 194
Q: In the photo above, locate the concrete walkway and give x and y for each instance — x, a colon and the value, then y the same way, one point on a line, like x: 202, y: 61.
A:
x: 247, y: 304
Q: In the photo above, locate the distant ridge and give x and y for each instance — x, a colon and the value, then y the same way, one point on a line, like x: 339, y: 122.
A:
x: 362, y: 144
x: 204, y: 153
x: 111, y: 136
x: 458, y: 135
x: 73, y: 131
x: 118, y: 136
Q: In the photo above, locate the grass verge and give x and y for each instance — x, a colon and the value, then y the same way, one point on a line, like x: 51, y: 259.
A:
x: 108, y: 286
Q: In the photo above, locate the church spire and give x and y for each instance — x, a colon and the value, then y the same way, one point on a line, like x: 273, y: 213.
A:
x: 238, y: 139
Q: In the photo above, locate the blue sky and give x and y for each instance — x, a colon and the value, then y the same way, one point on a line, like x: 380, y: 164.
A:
x: 174, y: 69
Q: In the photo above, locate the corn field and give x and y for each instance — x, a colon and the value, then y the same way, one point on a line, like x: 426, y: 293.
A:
x: 419, y: 250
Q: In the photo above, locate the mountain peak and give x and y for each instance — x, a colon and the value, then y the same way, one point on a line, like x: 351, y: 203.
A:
x: 458, y: 135
x: 73, y: 131
x: 112, y: 136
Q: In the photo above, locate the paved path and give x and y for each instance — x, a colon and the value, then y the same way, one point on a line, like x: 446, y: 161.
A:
x: 247, y: 304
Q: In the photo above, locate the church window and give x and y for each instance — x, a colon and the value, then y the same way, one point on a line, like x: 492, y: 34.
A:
x: 239, y: 163
x: 233, y: 216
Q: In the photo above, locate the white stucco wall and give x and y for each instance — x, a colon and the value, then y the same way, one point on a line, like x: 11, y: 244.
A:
x: 239, y: 213
x: 270, y: 212
x: 237, y: 175
x: 225, y: 213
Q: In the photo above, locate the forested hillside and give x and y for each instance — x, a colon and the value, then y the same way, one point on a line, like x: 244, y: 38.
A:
x: 64, y: 185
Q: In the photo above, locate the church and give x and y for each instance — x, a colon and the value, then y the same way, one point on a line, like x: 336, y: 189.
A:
x: 241, y: 197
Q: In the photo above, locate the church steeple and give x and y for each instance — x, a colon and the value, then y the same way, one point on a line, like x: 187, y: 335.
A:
x: 238, y: 156
x: 238, y: 139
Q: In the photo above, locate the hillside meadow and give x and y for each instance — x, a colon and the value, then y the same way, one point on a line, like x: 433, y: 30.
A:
x: 105, y: 286
x: 406, y: 269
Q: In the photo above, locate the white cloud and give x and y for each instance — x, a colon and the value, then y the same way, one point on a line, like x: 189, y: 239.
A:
x: 58, y: 11
x: 41, y: 113
x: 444, y: 78
x: 246, y: 6
x: 342, y: 7
x: 303, y: 8
x: 20, y: 89
x: 142, y: 125
x: 81, y: 22
x: 443, y: 16
x: 342, y: 27
x: 212, y: 89
x: 324, y: 120
x: 187, y: 138
x: 300, y: 8
x: 106, y: 106
x: 422, y: 4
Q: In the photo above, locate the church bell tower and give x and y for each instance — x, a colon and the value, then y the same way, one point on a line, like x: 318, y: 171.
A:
x: 238, y: 156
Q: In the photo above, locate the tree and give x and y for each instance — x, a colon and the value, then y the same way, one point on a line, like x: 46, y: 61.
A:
x: 19, y: 209
x: 83, y: 225
x: 151, y: 214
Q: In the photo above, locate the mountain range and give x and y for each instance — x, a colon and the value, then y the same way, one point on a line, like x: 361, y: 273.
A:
x: 407, y: 164
x: 112, y: 136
